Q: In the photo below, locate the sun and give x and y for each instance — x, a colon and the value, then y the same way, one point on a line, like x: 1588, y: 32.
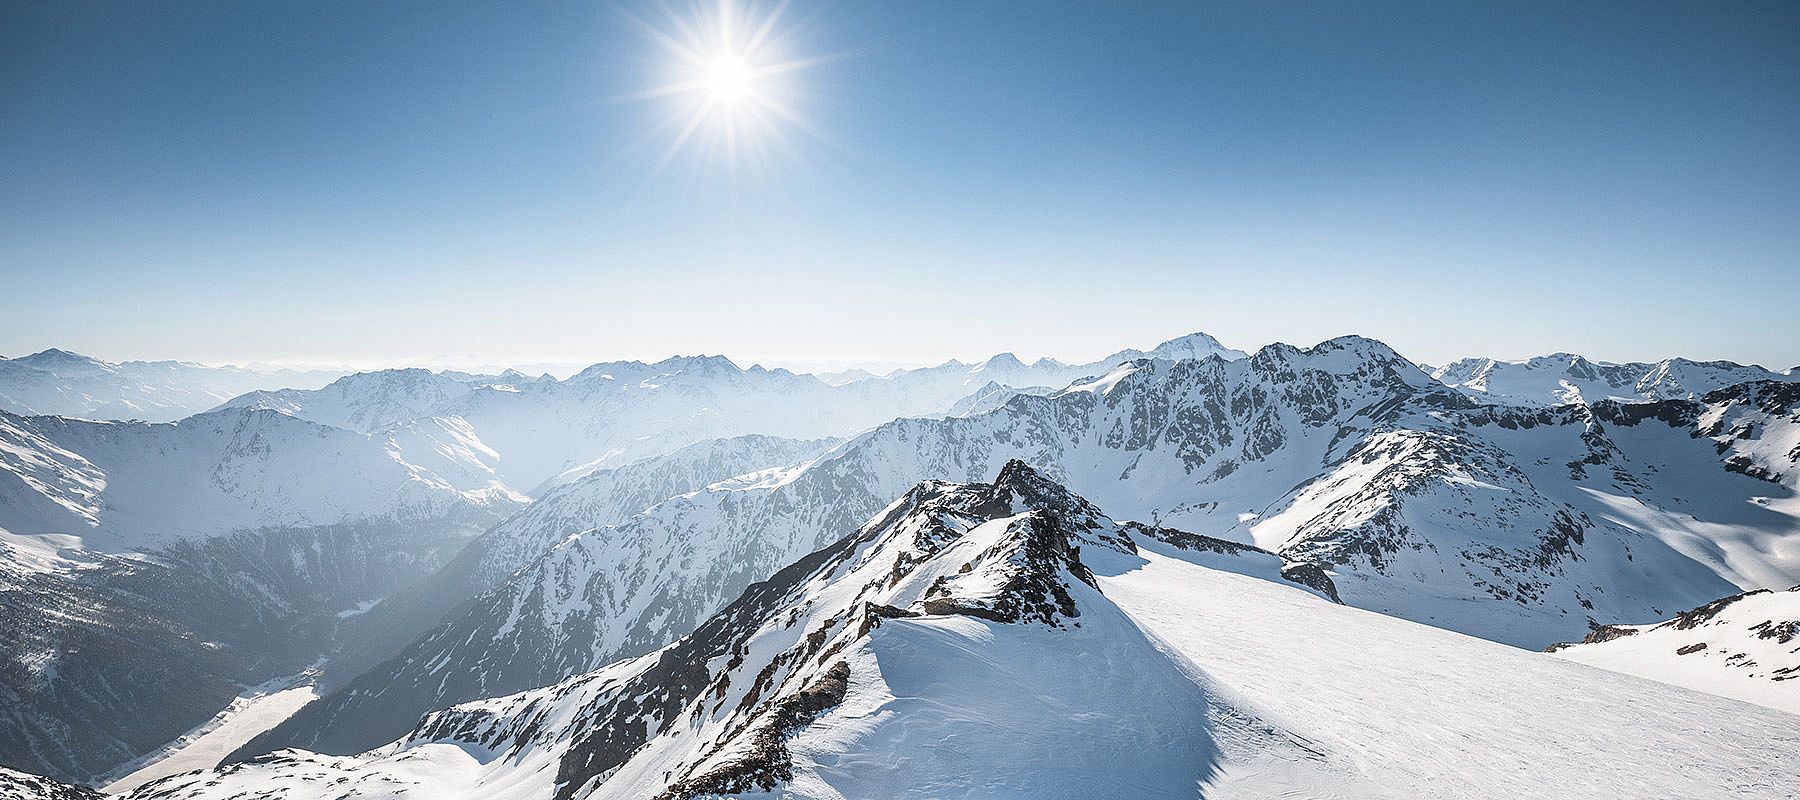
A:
x: 729, y: 79
x: 730, y: 83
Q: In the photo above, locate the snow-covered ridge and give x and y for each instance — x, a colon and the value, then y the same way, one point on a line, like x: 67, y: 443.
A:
x: 1745, y: 646
x: 1565, y: 378
x: 16, y: 785
x: 714, y: 711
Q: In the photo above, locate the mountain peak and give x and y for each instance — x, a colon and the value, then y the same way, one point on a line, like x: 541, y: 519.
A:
x: 697, y: 363
x: 1022, y: 486
x: 1194, y: 345
x: 53, y: 359
x: 1002, y: 361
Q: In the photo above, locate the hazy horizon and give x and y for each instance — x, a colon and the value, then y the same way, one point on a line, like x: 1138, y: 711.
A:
x: 562, y: 369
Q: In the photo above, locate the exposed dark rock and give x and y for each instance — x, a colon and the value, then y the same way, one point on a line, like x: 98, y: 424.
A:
x: 24, y: 786
x: 1695, y: 617
x: 768, y: 763
x: 1782, y: 632
x: 1312, y: 575
x: 1600, y: 633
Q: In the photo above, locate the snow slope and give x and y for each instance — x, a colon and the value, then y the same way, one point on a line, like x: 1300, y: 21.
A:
x: 1423, y: 712
x: 254, y: 711
x: 1008, y: 640
x: 1745, y: 646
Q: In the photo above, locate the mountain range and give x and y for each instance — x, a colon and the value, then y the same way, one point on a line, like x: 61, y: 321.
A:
x: 685, y: 574
x: 1008, y: 638
x: 1518, y: 524
x: 67, y: 384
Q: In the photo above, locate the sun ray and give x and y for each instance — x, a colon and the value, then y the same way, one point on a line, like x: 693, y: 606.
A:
x: 729, y: 91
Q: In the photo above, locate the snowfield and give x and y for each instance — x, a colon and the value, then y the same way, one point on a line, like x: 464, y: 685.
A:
x: 1424, y: 712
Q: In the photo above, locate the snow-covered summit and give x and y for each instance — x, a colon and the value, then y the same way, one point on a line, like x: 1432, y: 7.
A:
x: 1193, y: 345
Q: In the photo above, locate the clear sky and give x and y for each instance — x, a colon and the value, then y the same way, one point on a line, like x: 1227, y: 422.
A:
x: 377, y: 183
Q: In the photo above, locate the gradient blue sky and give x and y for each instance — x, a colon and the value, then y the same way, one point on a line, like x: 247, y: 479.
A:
x: 377, y: 183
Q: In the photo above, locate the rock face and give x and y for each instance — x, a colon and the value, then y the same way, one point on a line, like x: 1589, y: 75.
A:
x: 1745, y: 646
x: 1364, y: 478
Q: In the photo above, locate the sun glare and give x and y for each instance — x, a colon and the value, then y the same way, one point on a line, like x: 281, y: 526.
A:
x: 729, y: 78
x: 730, y: 83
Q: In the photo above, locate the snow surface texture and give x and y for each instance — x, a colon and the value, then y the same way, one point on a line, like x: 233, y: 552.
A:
x: 1566, y: 378
x: 1523, y: 525
x: 1745, y: 646
x: 61, y: 383
x: 1008, y: 640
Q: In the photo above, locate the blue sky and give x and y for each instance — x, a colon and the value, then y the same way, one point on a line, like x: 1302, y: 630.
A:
x: 378, y: 183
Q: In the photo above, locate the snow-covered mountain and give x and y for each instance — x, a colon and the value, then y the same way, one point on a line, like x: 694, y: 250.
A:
x: 1745, y: 646
x: 150, y: 570
x: 531, y: 432
x: 121, y: 486
x: 1522, y: 525
x: 1565, y: 378
x: 1010, y: 640
x: 954, y: 383
x: 603, y: 497
x: 61, y: 383
x: 366, y: 401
